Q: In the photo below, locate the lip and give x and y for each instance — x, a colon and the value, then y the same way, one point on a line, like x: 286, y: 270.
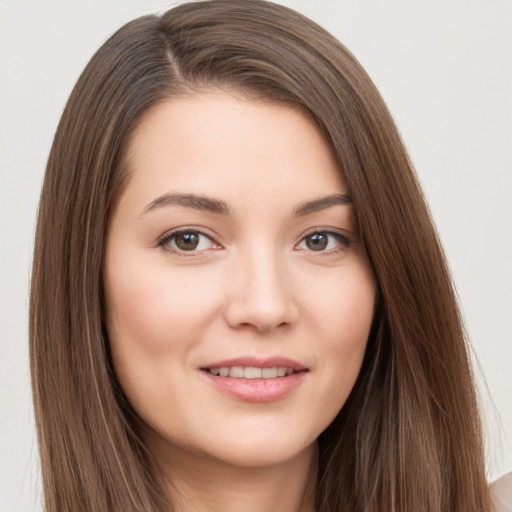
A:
x: 257, y: 390
x: 257, y: 362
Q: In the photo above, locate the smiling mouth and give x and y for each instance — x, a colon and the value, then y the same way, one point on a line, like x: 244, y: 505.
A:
x: 252, y: 372
x: 253, y: 380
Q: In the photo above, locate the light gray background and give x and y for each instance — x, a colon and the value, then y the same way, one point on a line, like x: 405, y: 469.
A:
x: 443, y: 66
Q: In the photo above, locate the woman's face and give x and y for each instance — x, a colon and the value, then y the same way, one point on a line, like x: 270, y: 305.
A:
x: 239, y: 300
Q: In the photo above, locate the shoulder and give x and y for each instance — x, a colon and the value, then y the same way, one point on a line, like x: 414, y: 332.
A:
x: 501, y: 493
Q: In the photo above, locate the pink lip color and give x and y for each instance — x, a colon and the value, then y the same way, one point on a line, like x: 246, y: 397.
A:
x: 258, y: 390
x: 267, y: 362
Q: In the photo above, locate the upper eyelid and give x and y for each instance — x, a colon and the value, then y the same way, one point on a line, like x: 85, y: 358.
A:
x: 330, y: 231
x: 175, y: 231
x: 323, y: 229
x: 163, y: 243
x: 343, y: 239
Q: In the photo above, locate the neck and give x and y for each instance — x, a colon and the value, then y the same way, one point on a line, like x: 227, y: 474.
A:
x: 214, y: 486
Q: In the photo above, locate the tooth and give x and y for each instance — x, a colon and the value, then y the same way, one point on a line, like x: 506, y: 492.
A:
x: 269, y: 373
x: 237, y: 372
x: 252, y: 373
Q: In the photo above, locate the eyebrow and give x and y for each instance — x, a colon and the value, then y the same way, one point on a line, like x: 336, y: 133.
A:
x: 321, y: 204
x: 190, y: 201
x: 217, y: 206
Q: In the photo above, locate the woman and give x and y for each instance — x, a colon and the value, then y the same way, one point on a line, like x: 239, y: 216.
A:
x: 238, y: 296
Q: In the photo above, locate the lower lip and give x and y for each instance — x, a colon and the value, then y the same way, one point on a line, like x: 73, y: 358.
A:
x: 257, y: 390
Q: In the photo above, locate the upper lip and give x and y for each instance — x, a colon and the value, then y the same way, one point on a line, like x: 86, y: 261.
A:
x: 257, y: 362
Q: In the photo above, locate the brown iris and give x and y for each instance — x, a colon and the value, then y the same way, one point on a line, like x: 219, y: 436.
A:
x: 317, y: 241
x: 187, y: 241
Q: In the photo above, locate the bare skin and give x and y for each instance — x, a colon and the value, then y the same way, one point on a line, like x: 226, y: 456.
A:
x: 239, y: 299
x: 208, y: 487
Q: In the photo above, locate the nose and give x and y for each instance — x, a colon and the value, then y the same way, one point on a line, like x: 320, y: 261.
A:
x: 260, y: 294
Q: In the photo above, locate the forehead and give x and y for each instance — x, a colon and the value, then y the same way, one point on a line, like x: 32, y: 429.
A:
x: 229, y: 146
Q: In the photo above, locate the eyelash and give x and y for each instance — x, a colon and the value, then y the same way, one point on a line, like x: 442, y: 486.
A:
x: 343, y: 241
x: 163, y: 242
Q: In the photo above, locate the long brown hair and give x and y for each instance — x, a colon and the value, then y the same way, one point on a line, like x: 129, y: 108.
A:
x: 409, y: 437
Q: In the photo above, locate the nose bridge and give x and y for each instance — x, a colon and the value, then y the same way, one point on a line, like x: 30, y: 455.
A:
x: 261, y: 292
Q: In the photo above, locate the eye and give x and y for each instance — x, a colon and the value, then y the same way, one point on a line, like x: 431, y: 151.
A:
x: 187, y: 241
x: 324, y: 241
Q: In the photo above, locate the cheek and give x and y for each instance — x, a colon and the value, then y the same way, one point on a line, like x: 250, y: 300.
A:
x: 156, y: 310
x: 353, y: 320
x: 343, y: 314
x: 156, y: 318
x: 343, y: 307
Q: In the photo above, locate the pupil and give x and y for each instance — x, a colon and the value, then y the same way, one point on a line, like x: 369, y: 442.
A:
x: 317, y: 242
x: 187, y: 241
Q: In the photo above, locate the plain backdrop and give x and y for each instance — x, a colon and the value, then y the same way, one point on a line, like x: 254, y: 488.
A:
x: 443, y: 66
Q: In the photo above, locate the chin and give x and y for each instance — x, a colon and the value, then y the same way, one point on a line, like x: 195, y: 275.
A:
x: 242, y: 448
x: 259, y: 448
x: 256, y: 455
